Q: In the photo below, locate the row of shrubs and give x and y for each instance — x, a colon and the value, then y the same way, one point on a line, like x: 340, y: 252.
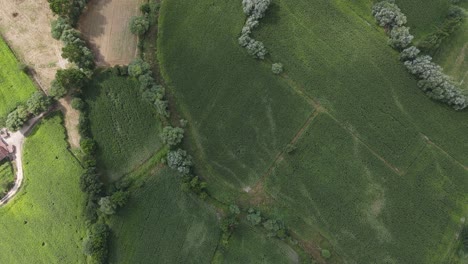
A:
x: 432, y: 80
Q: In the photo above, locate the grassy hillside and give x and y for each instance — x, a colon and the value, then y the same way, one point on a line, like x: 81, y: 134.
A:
x: 43, y: 224
x: 161, y: 224
x: 377, y: 161
x: 125, y: 127
x: 7, y: 177
x: 15, y: 85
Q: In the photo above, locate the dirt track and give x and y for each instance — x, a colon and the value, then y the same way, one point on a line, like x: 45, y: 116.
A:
x: 105, y: 24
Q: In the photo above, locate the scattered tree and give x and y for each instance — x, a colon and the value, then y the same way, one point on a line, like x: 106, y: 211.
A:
x: 277, y: 68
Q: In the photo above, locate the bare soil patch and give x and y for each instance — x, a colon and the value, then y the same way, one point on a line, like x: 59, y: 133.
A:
x: 25, y: 26
x: 105, y: 25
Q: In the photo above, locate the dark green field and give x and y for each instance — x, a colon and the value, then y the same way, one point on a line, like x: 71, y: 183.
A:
x: 125, y: 127
x: 161, y: 224
x: 44, y: 222
x: 380, y: 174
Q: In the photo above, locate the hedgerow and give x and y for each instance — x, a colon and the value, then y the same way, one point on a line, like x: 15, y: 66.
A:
x: 254, y: 10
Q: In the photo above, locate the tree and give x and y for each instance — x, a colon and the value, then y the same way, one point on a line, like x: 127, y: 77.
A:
x: 409, y: 54
x: 60, y: 7
x: 400, y: 37
x: 277, y: 68
x: 38, y: 103
x: 79, y: 54
x: 146, y: 81
x: 17, y: 118
x: 179, y: 160
x: 255, y: 8
x: 107, y: 206
x: 88, y: 145
x: 138, y: 67
x: 172, y: 136
x: 388, y: 14
x: 57, y: 90
x: 254, y: 217
x: 139, y: 25
x: 71, y: 78
x: 58, y: 26
x: 326, y: 254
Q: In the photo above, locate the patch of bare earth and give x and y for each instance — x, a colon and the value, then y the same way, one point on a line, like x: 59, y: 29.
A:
x: 25, y: 26
x: 105, y: 25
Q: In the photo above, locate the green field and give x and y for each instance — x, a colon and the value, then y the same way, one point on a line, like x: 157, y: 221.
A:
x: 249, y: 246
x: 380, y: 173
x: 43, y: 224
x: 7, y: 177
x: 239, y: 114
x: 15, y: 85
x: 125, y: 127
x: 161, y: 224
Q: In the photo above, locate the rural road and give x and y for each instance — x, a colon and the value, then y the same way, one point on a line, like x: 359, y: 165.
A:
x: 16, y: 139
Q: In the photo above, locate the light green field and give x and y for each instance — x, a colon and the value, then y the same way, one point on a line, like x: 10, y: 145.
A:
x: 249, y: 246
x: 15, y: 85
x: 44, y: 223
x: 383, y: 136
x: 125, y: 127
x: 7, y: 177
x: 161, y: 224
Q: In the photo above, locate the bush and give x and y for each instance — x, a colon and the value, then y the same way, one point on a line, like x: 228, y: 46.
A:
x: 179, y: 160
x: 326, y: 254
x: 145, y: 8
x: 254, y: 217
x: 172, y: 136
x: 16, y: 119
x: 139, y: 25
x: 277, y: 68
x: 77, y: 103
x: 88, y: 145
x: 138, y: 67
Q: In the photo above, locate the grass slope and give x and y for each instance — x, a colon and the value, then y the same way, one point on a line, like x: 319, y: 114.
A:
x: 44, y: 224
x: 240, y: 114
x: 125, y: 127
x: 15, y: 85
x: 161, y: 224
x: 7, y: 177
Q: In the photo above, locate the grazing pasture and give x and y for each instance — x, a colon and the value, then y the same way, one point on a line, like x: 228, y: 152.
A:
x: 44, y: 222
x: 105, y: 24
x: 380, y: 169
x: 240, y: 115
x: 7, y: 177
x: 162, y: 224
x: 15, y: 85
x: 125, y: 127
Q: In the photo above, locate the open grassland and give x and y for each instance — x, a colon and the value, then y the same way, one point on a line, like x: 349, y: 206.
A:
x: 381, y: 172
x: 7, y: 177
x: 43, y: 223
x: 334, y: 185
x: 162, y: 224
x: 239, y: 114
x: 105, y: 24
x: 125, y: 127
x: 424, y: 16
x: 249, y: 246
x: 15, y: 85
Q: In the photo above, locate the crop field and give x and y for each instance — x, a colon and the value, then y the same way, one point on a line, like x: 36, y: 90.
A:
x: 380, y: 171
x: 7, y: 177
x: 240, y: 115
x: 106, y: 26
x: 43, y: 223
x: 162, y: 224
x: 15, y: 85
x: 247, y: 245
x: 125, y: 127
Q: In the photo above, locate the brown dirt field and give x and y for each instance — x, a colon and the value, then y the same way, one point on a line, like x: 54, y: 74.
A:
x: 105, y: 24
x: 25, y: 26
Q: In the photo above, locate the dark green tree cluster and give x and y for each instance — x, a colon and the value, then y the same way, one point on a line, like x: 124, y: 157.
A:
x: 228, y: 225
x: 35, y: 105
x: 274, y: 227
x: 254, y: 10
x: 432, y: 80
x: 151, y: 91
x: 68, y: 9
x: 195, y: 185
x: 66, y: 80
x: 96, y: 242
x: 454, y: 19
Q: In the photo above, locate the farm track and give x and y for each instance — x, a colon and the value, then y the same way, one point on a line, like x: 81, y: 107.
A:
x: 431, y: 143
